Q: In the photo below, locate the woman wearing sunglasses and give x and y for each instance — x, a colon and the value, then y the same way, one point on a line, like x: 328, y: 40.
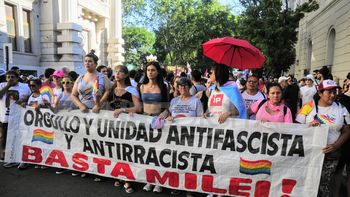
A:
x: 64, y: 100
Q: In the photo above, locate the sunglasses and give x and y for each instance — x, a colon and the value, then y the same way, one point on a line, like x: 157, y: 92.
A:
x: 66, y: 82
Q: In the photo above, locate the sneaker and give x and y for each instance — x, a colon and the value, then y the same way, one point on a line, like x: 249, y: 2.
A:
x: 36, y: 166
x: 75, y: 173
x: 175, y: 192
x: 10, y: 165
x: 157, y: 189
x: 23, y: 166
x: 147, y: 187
x: 61, y: 171
x: 43, y: 167
x: 189, y: 194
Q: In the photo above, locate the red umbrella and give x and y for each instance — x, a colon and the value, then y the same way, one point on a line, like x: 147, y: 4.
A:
x: 234, y: 53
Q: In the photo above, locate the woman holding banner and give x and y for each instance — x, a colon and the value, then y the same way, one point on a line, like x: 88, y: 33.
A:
x: 225, y: 98
x: 325, y: 110
x: 154, y: 96
x: 272, y: 109
x: 122, y: 98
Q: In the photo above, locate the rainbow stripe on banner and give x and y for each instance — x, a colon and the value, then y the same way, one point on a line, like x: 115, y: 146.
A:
x: 43, y: 136
x: 255, y: 167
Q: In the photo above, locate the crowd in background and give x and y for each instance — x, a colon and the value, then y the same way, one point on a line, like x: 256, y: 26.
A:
x: 315, y: 100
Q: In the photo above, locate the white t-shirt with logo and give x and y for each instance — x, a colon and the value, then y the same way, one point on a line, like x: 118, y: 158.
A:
x: 219, y: 103
x: 37, y: 100
x: 307, y: 93
x: 333, y: 116
x: 186, y: 108
x: 21, y: 90
x: 250, y: 99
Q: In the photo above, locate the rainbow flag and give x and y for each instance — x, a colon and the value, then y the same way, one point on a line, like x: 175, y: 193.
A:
x: 307, y: 108
x: 47, y: 90
x: 255, y: 167
x: 43, y: 136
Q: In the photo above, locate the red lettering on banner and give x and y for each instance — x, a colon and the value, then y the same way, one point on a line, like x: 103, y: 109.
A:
x: 190, y: 181
x: 288, y: 186
x: 79, y: 162
x: 33, y: 152
x: 56, y: 156
x: 208, y: 185
x: 122, y: 169
x: 236, y: 187
x: 216, y: 100
x: 262, y: 189
x: 101, y: 164
x: 173, y: 177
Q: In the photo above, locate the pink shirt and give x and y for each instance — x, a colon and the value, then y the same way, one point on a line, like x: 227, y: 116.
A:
x: 278, y: 116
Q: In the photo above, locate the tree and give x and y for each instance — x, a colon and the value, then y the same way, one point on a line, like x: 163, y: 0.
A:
x: 138, y: 44
x: 273, y: 29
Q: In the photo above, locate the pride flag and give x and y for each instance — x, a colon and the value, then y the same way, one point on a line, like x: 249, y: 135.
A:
x: 47, y: 90
x: 43, y: 136
x: 255, y: 167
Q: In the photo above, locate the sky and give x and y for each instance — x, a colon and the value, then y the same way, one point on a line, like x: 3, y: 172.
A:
x: 234, y: 4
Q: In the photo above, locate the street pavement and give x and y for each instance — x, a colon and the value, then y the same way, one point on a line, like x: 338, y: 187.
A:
x: 33, y: 182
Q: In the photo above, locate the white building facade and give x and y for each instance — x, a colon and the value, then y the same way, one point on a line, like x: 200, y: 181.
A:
x: 58, y: 33
x: 324, y: 39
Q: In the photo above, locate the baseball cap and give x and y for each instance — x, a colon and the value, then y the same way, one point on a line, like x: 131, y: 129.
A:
x: 327, y: 85
x: 310, y: 76
x: 283, y: 78
x: 58, y: 73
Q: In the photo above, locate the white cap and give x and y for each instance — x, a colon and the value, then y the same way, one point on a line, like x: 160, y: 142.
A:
x: 283, y: 78
x: 310, y: 76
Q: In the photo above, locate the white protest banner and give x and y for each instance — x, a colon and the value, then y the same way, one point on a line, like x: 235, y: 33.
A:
x: 237, y: 158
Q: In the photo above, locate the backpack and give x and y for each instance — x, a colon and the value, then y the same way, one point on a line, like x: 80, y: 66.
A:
x: 285, y: 109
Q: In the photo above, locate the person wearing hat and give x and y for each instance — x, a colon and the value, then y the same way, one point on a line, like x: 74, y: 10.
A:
x: 326, y: 111
x: 308, y: 91
x: 57, y: 77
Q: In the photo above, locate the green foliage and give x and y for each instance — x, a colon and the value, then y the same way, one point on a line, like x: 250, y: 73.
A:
x: 273, y: 29
x: 138, y: 44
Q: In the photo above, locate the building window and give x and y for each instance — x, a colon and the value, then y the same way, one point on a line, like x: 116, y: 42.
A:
x: 11, y: 22
x: 330, y: 48
x: 26, y: 31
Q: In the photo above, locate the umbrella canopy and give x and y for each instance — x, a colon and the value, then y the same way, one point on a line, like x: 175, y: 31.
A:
x: 233, y: 52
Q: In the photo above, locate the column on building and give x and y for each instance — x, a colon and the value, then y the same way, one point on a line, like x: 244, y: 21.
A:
x: 70, y: 49
x: 115, y: 42
x: 48, y: 35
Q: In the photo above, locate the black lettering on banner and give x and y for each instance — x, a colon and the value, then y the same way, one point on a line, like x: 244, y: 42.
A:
x: 60, y: 123
x: 285, y: 138
x: 229, y: 141
x: 127, y: 151
x: 241, y: 141
x: 28, y: 117
x: 152, y: 157
x: 155, y: 137
x: 55, y: 122
x: 139, y: 153
x: 66, y: 128
x: 142, y: 133
x: 74, y: 128
x: 113, y: 129
x: 195, y: 158
x: 272, y: 144
x: 208, y: 164
x: 117, y: 148
x: 184, y: 161
x: 209, y: 137
x: 99, y: 128
x: 174, y: 156
x: 162, y: 161
x: 121, y: 129
x: 201, y: 131
x: 87, y: 146
x: 264, y: 143
x: 110, y: 145
x: 254, y: 135
x: 47, y: 119
x: 130, y: 130
x: 187, y: 136
x: 98, y: 147
x: 38, y: 119
x: 173, y: 135
x: 218, y: 138
x: 68, y: 140
x: 88, y: 124
x: 297, y: 146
